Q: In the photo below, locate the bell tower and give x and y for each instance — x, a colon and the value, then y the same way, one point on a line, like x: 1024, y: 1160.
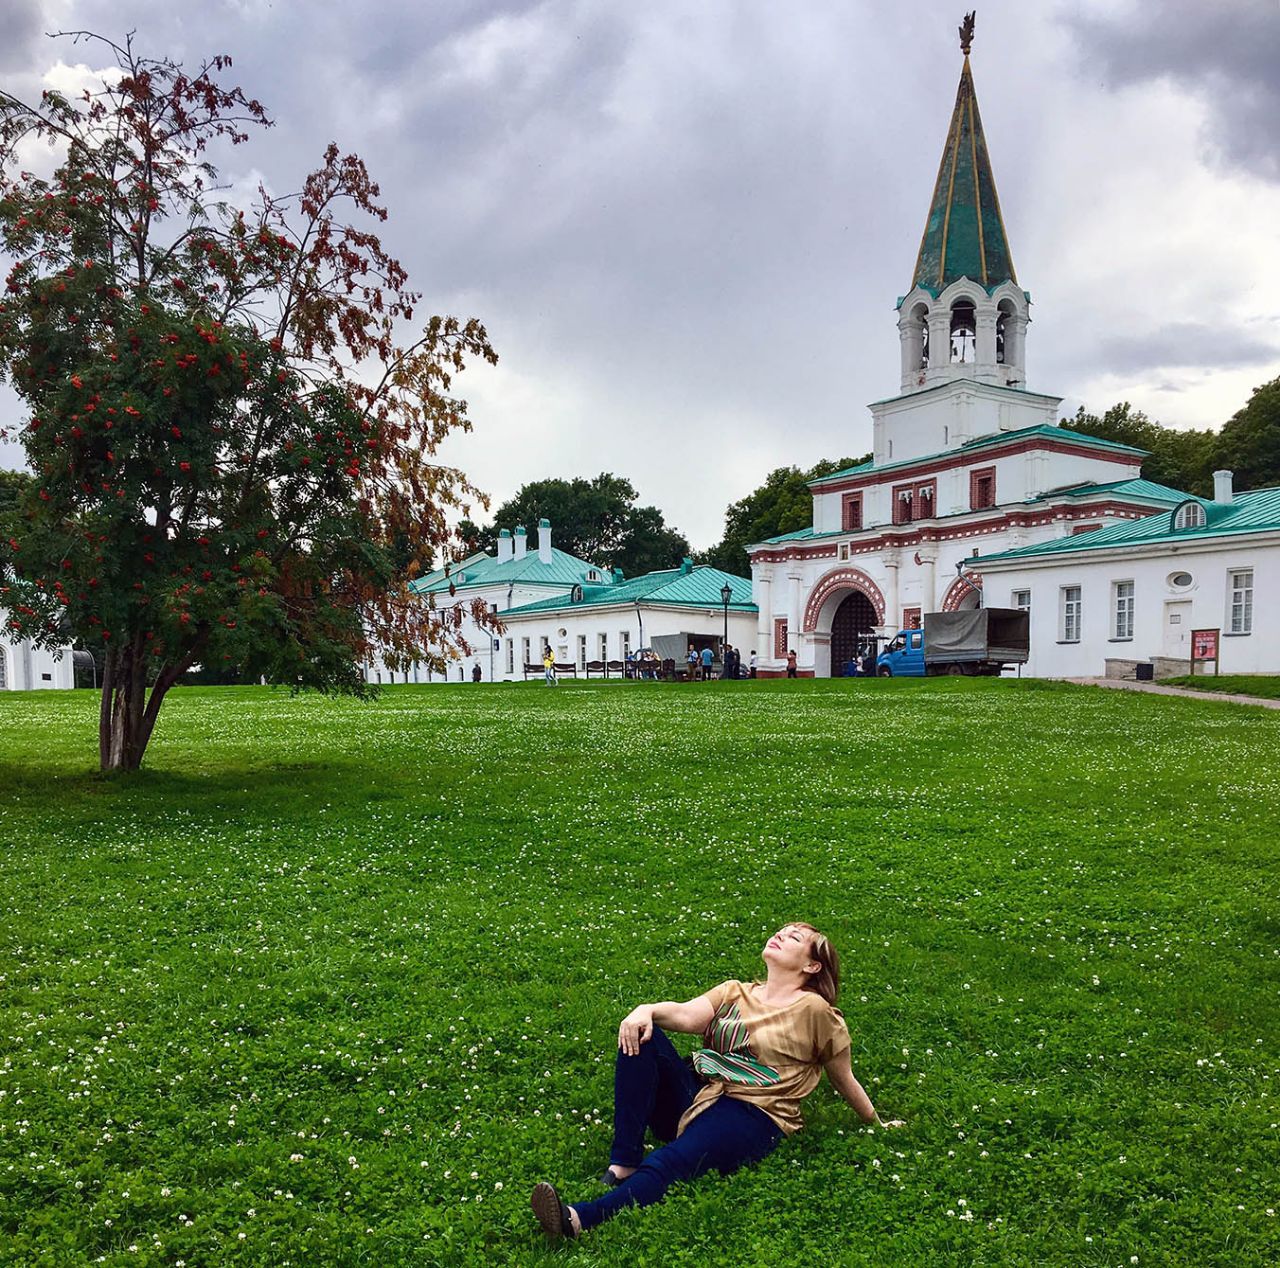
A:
x: 965, y: 316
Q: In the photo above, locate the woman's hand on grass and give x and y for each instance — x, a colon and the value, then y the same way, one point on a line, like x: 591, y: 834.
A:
x: 888, y: 1123
x: 636, y: 1028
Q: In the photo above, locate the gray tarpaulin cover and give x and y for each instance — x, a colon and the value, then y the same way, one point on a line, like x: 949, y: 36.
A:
x: 977, y: 634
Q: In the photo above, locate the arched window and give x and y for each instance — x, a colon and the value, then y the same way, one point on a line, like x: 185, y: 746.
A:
x: 920, y: 319
x: 964, y: 332
x: 1189, y: 515
x: 1003, y: 314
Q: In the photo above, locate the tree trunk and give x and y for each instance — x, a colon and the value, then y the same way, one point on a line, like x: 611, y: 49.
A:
x: 127, y: 716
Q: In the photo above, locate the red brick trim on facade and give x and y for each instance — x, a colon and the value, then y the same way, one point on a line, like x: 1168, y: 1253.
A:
x: 961, y: 459
x: 919, y: 533
x: 831, y: 583
x: 977, y: 477
x: 957, y: 591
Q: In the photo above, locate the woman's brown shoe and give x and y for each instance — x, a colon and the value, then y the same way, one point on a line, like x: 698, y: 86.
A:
x: 551, y: 1213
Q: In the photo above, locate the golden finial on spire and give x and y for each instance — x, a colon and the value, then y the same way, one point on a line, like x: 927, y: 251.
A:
x: 966, y: 32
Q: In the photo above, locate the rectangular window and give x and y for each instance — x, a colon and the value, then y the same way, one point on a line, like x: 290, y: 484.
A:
x: 604, y: 647
x: 511, y: 656
x: 926, y: 495
x: 903, y: 499
x: 626, y: 643
x: 1069, y: 625
x: 582, y: 651
x: 1240, y: 613
x: 1020, y: 599
x: 524, y: 652
x: 982, y: 488
x: 1122, y: 609
x: 851, y: 512
x: 779, y: 638
x: 910, y: 618
x: 844, y: 552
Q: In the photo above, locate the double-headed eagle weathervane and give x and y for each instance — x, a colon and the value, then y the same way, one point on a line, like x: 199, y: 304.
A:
x: 966, y: 32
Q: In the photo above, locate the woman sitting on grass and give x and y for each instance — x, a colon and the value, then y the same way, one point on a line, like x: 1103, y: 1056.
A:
x: 765, y: 1047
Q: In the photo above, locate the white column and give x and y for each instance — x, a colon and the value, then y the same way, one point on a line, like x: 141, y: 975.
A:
x: 939, y: 346
x: 928, y: 583
x: 1015, y: 348
x: 793, y: 611
x: 892, y: 613
x: 985, y: 369
x: 762, y: 589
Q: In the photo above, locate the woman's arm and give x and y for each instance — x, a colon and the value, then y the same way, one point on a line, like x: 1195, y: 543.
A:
x: 840, y: 1072
x: 689, y: 1018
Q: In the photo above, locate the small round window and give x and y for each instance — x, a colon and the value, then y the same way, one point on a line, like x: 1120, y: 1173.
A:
x: 1180, y: 580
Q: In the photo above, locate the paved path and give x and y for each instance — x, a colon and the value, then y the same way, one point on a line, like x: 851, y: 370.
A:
x: 1125, y: 684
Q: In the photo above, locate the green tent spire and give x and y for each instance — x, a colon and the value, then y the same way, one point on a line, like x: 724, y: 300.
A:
x: 964, y: 235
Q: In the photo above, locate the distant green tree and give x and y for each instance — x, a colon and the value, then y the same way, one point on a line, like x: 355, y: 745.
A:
x: 1180, y: 458
x: 1249, y: 443
x: 595, y: 519
x: 12, y: 486
x: 782, y: 504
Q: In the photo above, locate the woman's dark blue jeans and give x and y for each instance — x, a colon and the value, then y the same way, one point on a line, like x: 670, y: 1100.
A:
x: 652, y: 1090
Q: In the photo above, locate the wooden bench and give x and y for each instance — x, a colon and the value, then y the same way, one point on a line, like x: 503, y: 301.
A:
x: 566, y: 667
x: 597, y: 667
x: 535, y: 668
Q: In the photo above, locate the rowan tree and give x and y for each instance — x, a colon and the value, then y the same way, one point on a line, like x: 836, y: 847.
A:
x: 231, y: 439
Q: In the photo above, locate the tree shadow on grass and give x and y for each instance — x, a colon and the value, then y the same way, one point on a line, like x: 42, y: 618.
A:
x: 267, y: 790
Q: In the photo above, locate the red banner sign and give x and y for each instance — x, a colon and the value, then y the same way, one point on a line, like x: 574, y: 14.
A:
x: 1204, y: 644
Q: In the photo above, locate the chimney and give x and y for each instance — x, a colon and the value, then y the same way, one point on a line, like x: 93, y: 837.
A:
x: 1222, y: 487
x: 521, y: 541
x: 504, y: 545
x: 544, y: 541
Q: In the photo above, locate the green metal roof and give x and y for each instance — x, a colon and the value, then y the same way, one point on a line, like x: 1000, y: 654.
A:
x: 1252, y: 512
x: 563, y: 571
x: 697, y: 587
x: 1138, y: 488
x: 964, y: 235
x: 1045, y: 431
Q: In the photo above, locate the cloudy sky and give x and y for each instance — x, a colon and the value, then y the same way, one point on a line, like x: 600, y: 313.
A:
x: 686, y: 222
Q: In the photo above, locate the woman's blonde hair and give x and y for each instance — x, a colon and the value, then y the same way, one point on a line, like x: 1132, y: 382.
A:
x: 826, y: 981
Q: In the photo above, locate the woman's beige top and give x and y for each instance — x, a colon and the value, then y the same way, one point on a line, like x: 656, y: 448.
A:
x: 770, y: 1055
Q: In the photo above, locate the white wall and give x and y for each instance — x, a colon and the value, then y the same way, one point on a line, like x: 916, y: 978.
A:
x: 611, y: 624
x: 1202, y: 605
x: 947, y: 416
x: 28, y: 668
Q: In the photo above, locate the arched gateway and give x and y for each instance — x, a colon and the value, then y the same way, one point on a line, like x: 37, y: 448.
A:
x: 844, y: 604
x: 853, y: 621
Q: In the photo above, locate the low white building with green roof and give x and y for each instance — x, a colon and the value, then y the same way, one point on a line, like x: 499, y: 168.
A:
x: 597, y: 624
x: 511, y: 578
x: 1136, y: 592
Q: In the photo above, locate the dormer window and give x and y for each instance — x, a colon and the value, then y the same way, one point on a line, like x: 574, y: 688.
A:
x: 1189, y: 515
x: 576, y: 594
x: 593, y: 575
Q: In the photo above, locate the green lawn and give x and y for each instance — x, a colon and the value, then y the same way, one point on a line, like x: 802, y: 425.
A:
x: 333, y: 983
x: 1264, y: 685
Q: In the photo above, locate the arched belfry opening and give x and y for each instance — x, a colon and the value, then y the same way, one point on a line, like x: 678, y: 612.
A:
x: 964, y: 332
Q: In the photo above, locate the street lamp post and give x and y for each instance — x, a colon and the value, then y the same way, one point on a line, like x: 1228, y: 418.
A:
x: 726, y: 593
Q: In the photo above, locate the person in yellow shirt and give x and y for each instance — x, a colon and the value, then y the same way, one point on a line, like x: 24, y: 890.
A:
x: 549, y: 666
x: 765, y: 1047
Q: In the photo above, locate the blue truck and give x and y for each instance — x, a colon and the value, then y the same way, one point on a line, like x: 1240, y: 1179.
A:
x: 979, y: 641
